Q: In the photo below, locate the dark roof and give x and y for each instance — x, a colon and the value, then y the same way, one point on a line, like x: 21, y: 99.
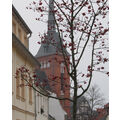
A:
x: 21, y: 19
x: 23, y: 49
x: 42, y: 79
x: 52, y: 43
x: 47, y: 48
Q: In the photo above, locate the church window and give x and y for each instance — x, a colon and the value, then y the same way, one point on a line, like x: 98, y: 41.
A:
x: 45, y: 64
x: 48, y: 64
x: 41, y: 64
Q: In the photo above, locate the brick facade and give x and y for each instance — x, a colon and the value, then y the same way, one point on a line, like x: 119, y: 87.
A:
x: 53, y: 72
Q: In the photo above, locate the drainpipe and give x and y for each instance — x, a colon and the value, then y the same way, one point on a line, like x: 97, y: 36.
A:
x: 28, y: 38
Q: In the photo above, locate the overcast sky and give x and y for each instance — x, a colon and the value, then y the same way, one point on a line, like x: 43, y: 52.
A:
x: 100, y: 79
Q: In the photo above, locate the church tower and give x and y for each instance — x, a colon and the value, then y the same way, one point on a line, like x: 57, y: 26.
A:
x: 52, y: 61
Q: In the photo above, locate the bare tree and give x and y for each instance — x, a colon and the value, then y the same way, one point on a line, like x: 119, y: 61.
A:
x: 95, y: 98
x: 79, y: 26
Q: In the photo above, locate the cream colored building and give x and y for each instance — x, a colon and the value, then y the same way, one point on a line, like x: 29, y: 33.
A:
x: 23, y: 98
x: 42, y: 106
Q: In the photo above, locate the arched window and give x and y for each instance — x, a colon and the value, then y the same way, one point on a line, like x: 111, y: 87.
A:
x: 41, y: 63
x: 48, y: 64
x: 45, y: 65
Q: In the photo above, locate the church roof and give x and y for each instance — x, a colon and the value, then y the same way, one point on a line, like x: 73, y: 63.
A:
x: 42, y: 79
x: 52, y: 43
x: 48, y: 48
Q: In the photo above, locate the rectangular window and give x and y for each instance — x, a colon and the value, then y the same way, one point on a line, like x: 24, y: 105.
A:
x: 22, y: 90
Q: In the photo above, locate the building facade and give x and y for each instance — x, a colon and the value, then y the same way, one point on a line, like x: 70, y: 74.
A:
x: 24, y: 98
x: 41, y: 105
x: 103, y: 113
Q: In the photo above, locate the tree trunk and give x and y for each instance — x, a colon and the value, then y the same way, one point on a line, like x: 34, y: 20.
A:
x: 74, y: 109
x: 75, y: 101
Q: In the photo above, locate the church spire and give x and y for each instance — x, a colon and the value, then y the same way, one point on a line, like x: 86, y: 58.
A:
x: 52, y: 41
x: 51, y: 21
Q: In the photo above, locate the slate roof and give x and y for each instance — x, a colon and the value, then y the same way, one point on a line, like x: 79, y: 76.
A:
x: 49, y: 48
x: 42, y: 79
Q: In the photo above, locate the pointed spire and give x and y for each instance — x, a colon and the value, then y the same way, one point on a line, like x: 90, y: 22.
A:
x: 51, y: 37
x: 51, y: 21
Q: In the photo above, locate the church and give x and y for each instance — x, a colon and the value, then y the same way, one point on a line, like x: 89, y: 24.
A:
x: 52, y: 61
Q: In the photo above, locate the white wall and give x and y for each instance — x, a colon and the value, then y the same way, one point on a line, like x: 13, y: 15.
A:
x: 41, y: 102
x: 55, y: 109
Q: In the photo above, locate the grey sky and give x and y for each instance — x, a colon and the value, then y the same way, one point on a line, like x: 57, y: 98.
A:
x: 100, y: 79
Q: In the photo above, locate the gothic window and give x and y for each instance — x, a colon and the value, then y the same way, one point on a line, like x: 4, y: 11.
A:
x: 48, y: 64
x: 45, y: 64
x: 42, y: 65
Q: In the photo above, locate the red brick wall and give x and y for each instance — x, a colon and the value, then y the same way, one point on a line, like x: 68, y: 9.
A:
x: 54, y: 69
